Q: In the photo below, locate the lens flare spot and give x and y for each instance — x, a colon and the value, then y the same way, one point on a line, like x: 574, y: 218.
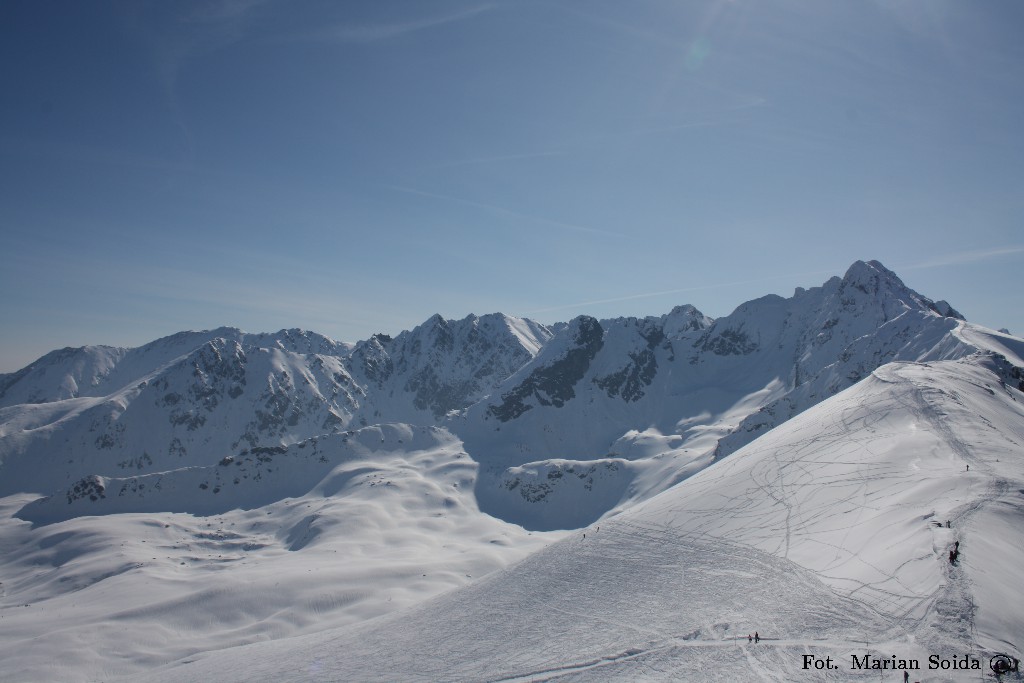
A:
x: 697, y: 53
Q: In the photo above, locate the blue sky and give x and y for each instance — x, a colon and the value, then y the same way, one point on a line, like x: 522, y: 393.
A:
x: 354, y: 167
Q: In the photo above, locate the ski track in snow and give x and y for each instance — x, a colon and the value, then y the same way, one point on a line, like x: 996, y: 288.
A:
x: 954, y: 604
x: 630, y: 601
x: 822, y: 535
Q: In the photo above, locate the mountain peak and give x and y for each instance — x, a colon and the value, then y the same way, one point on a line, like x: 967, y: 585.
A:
x: 683, y: 319
x: 877, y: 281
x: 870, y: 275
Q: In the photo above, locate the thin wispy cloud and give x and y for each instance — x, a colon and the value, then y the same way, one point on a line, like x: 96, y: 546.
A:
x: 498, y: 159
x: 371, y: 33
x: 957, y: 259
x: 190, y: 295
x: 646, y: 35
x: 224, y: 10
x: 178, y: 41
x: 712, y: 117
x: 685, y: 43
x: 709, y: 118
x: 505, y: 212
x: 671, y: 129
x: 964, y: 258
x: 666, y: 292
x: 644, y: 295
x: 75, y: 152
x: 616, y: 299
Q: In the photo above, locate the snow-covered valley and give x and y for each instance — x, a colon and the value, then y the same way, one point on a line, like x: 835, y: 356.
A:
x: 493, y: 499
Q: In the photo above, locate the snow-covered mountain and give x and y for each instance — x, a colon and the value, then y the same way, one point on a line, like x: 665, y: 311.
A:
x: 100, y: 370
x: 624, y: 408
x: 442, y: 365
x: 217, y: 488
x: 194, y: 398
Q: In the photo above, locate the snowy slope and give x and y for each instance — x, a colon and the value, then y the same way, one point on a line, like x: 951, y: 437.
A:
x: 823, y: 535
x: 324, y: 533
x: 59, y: 375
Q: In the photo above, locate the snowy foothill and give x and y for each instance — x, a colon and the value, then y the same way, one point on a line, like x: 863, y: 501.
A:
x: 387, y: 520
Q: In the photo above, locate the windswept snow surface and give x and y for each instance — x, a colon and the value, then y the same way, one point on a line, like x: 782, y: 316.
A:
x: 827, y: 535
x: 314, y: 536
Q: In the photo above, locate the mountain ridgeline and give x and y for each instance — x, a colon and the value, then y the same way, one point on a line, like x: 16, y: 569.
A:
x: 567, y: 423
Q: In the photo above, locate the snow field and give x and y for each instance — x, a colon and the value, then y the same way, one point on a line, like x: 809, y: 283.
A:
x: 822, y: 536
x: 119, y: 594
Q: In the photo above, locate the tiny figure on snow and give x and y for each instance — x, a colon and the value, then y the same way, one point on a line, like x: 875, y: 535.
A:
x: 947, y: 523
x: 968, y: 468
x: 757, y: 637
x: 956, y: 546
x: 750, y: 638
x: 906, y: 677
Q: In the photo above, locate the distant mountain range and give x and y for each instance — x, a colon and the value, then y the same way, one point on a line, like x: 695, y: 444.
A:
x: 639, y: 492
x: 567, y: 422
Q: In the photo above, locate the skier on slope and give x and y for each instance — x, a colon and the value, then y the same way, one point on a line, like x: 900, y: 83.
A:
x: 757, y: 637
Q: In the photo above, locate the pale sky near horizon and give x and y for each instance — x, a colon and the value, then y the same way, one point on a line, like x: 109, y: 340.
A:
x: 355, y: 167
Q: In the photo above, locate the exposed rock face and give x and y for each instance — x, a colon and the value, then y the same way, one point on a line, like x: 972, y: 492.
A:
x: 447, y: 365
x: 552, y: 383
